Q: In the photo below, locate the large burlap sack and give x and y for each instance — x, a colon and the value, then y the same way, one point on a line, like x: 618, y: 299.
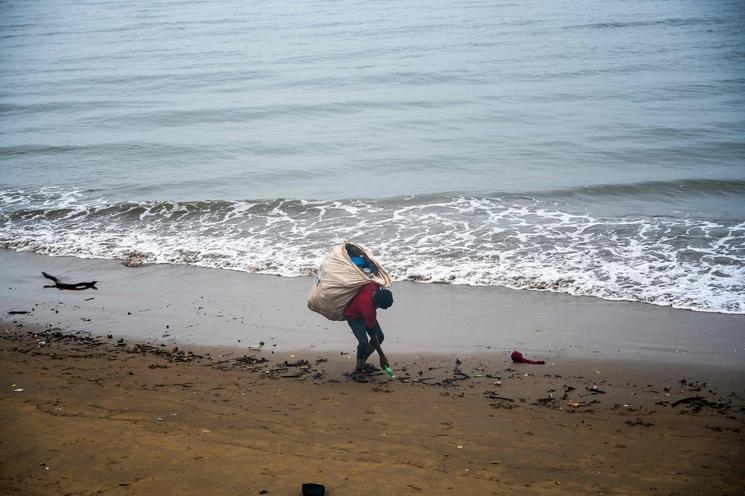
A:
x: 338, y: 280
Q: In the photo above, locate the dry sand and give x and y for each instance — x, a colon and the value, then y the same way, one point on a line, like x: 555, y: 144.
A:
x: 102, y: 416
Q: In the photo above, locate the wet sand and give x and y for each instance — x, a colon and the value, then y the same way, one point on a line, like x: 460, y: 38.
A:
x: 199, y: 306
x: 143, y: 387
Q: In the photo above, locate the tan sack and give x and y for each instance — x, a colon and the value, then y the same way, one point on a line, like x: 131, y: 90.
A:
x: 338, y: 280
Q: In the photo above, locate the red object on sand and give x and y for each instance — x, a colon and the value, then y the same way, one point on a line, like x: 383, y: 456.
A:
x: 518, y: 357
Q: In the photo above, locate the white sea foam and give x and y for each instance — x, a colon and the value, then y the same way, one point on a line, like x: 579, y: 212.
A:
x: 682, y: 262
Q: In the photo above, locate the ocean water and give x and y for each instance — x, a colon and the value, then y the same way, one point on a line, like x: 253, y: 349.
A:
x: 593, y: 148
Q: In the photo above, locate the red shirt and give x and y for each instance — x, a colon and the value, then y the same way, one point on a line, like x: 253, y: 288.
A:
x: 362, y: 306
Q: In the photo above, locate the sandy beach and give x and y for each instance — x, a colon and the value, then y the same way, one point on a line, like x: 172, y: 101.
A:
x: 171, y: 401
x: 563, y: 181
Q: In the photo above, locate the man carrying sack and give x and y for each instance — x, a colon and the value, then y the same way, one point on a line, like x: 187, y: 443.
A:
x: 361, y: 314
x: 351, y: 285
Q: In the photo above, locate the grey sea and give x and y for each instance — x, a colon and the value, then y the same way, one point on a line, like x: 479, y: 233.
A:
x: 592, y: 148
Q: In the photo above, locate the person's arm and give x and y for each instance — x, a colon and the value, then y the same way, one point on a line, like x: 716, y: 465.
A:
x: 376, y: 345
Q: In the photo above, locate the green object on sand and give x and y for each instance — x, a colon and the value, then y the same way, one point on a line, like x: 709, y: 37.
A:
x: 390, y: 373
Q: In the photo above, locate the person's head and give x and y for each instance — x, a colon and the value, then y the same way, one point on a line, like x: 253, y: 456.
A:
x: 383, y: 298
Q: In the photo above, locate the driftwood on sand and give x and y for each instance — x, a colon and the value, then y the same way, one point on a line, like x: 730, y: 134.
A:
x: 63, y: 285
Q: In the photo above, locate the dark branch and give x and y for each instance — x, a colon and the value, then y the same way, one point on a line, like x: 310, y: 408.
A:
x: 74, y: 287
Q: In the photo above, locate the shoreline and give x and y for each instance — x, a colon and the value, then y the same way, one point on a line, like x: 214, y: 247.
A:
x: 195, y: 306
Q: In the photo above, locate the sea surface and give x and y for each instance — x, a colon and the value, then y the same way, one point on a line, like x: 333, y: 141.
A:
x: 593, y: 148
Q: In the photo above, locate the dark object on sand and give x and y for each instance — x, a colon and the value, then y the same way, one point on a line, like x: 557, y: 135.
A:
x: 698, y: 403
x: 311, y: 489
x: 518, y: 357
x: 17, y: 312
x: 63, y: 285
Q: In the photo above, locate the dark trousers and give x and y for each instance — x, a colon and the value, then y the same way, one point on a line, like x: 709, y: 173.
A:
x: 364, y: 347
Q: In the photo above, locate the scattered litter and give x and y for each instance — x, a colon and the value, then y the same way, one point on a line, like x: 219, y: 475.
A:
x: 697, y: 403
x: 18, y: 390
x: 548, y: 401
x: 497, y: 401
x: 298, y: 363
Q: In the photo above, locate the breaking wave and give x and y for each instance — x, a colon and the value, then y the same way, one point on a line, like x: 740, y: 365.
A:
x: 516, y: 241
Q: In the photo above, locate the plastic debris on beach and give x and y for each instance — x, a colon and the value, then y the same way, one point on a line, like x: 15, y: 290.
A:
x: 390, y: 373
x: 518, y: 357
